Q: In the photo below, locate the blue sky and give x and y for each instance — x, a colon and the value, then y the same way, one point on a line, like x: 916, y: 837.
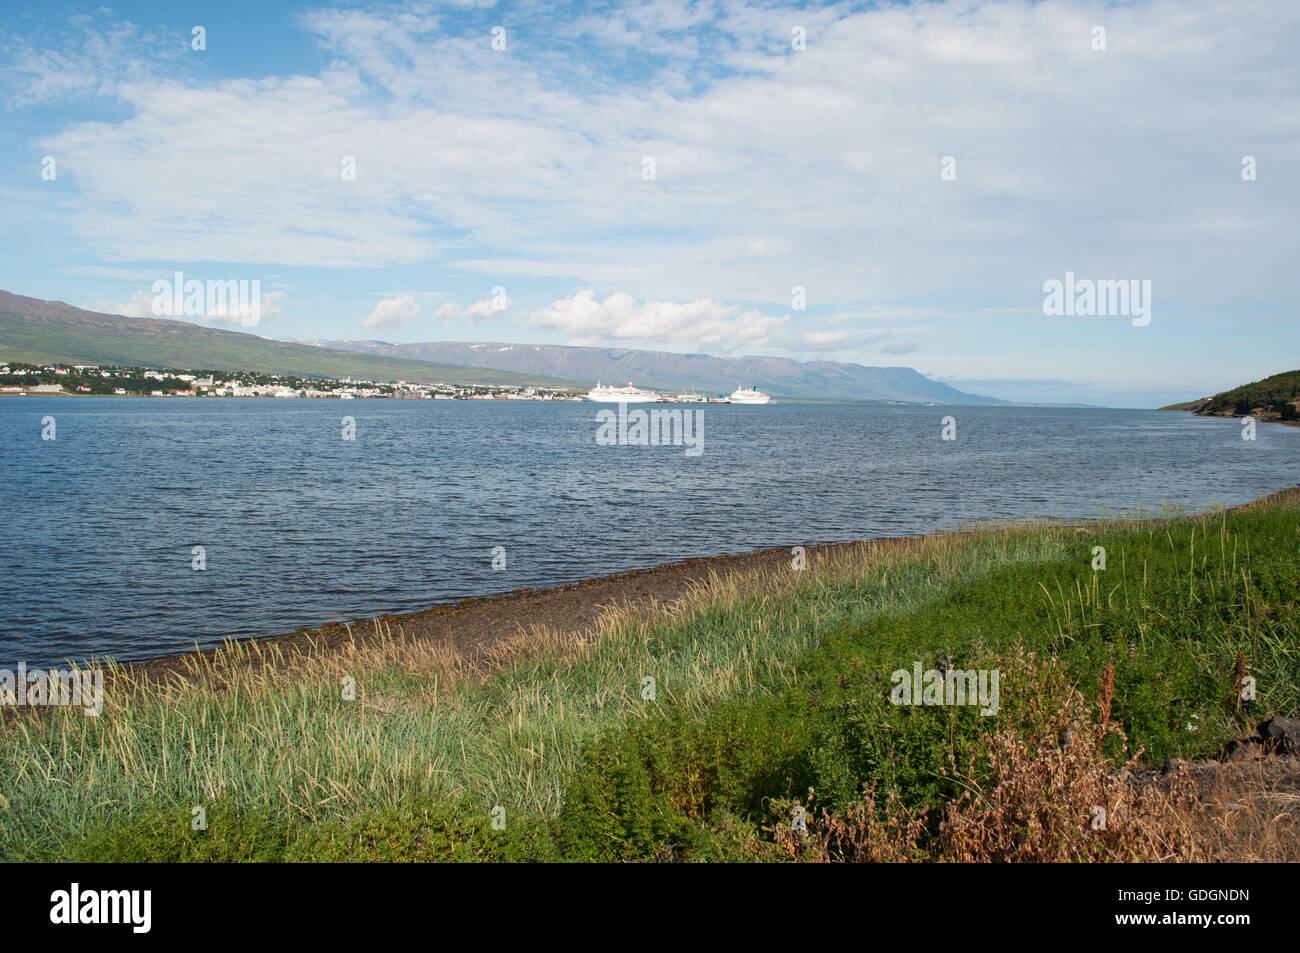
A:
x: 523, y: 169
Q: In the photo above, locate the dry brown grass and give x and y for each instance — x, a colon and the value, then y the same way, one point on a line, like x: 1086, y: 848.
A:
x: 1244, y: 813
x: 1059, y: 798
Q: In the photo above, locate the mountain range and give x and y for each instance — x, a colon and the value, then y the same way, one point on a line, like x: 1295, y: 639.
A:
x: 41, y: 332
x: 38, y: 331
x: 667, y: 370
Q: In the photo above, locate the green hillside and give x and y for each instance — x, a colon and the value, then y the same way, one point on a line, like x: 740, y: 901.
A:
x: 1273, y: 398
x: 39, y: 332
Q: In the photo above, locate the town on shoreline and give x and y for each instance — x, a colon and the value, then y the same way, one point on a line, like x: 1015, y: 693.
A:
x: 92, y: 380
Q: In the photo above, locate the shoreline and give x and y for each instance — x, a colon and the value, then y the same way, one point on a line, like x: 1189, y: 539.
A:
x: 473, y: 626
x: 1197, y: 413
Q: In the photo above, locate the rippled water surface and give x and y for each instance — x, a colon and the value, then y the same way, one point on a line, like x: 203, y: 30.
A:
x: 299, y: 526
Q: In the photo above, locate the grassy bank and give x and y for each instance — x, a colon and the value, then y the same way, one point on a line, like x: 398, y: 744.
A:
x: 1275, y: 399
x: 763, y: 688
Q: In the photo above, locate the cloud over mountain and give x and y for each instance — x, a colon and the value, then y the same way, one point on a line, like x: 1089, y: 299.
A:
x: 584, y: 320
x: 391, y: 313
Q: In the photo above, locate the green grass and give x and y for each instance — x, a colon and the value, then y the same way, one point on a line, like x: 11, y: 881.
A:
x: 1171, y: 617
x: 758, y: 697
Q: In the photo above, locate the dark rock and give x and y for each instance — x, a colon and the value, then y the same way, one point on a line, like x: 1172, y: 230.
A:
x: 1246, y: 749
x: 1281, y: 735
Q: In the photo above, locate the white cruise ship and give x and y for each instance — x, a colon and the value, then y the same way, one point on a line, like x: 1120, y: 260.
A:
x: 748, y: 395
x: 628, y: 394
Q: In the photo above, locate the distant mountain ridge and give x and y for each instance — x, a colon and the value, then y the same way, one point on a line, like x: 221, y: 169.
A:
x: 41, y: 332
x: 667, y: 370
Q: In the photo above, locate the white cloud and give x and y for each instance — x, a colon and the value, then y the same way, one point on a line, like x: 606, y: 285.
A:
x: 475, y: 312
x: 226, y: 311
x: 139, y: 305
x: 95, y: 52
x: 391, y: 313
x: 619, y: 318
x: 479, y: 309
x: 774, y: 168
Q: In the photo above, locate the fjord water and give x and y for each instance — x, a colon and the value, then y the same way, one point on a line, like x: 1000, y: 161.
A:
x: 300, y: 526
